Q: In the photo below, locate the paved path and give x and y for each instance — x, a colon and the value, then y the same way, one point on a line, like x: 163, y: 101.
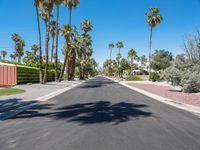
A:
x: 101, y: 115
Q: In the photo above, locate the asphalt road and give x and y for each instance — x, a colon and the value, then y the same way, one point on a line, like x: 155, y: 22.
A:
x: 101, y: 115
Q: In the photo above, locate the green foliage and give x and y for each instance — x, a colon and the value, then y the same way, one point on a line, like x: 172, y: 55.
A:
x: 31, y: 75
x: 133, y: 78
x: 161, y: 59
x: 185, y: 74
x: 155, y: 77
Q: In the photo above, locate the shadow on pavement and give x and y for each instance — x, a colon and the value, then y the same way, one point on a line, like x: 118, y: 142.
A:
x: 90, y: 113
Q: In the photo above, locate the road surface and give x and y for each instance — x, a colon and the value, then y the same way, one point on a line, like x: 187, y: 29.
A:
x: 101, y: 115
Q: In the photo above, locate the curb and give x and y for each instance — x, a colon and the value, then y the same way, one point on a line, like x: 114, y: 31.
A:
x: 192, y: 109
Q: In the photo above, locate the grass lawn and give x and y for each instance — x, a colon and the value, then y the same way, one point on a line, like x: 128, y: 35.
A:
x: 10, y: 91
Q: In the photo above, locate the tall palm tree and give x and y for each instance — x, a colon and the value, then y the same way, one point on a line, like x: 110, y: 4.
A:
x: 111, y: 46
x: 13, y: 56
x: 153, y: 19
x: 119, y: 46
x: 35, y: 49
x: 53, y: 34
x: 132, y: 54
x: 70, y: 5
x: 57, y: 3
x: 19, y: 46
x: 65, y: 32
x: 47, y: 9
x: 3, y: 53
x: 37, y: 4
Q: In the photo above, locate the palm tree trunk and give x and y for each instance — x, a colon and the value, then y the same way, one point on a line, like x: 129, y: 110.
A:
x: 46, y: 49
x: 52, y: 50
x: 110, y: 62
x: 19, y: 58
x: 150, y: 47
x: 131, y: 66
x: 73, y: 65
x: 40, y: 45
x: 56, y: 53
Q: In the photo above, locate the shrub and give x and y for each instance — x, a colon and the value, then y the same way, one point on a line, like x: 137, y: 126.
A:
x: 31, y: 75
x: 184, y: 74
x: 133, y: 78
x: 155, y: 77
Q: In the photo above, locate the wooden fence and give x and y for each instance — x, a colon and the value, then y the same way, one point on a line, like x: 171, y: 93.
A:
x: 8, y: 75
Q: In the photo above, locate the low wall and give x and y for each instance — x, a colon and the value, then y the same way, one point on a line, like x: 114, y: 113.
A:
x: 8, y: 75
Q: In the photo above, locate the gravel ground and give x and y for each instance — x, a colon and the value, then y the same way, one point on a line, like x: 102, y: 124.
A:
x: 170, y: 93
x: 34, y: 91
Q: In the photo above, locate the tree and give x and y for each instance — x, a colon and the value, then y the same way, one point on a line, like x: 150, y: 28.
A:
x: 57, y: 3
x: 192, y: 47
x: 132, y: 54
x: 19, y: 46
x: 35, y: 49
x: 119, y: 46
x: 111, y: 46
x: 65, y: 32
x: 37, y: 4
x: 153, y: 19
x: 53, y: 34
x: 13, y: 56
x: 161, y: 59
x: 70, y: 5
x: 3, y: 53
x: 47, y: 8
x: 143, y: 59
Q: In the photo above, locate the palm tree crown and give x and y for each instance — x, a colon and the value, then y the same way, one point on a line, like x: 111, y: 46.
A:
x: 132, y: 54
x: 153, y: 17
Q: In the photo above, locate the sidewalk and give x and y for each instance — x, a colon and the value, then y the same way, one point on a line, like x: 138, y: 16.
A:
x: 35, y: 93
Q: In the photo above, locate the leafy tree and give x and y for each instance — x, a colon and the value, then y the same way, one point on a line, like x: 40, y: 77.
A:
x: 153, y: 19
x: 161, y: 59
x: 34, y: 49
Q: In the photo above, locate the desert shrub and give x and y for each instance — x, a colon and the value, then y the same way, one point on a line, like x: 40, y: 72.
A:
x: 184, y: 74
x: 155, y: 77
x: 133, y: 78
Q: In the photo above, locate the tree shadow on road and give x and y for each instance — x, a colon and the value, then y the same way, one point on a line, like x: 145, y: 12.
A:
x: 91, y: 113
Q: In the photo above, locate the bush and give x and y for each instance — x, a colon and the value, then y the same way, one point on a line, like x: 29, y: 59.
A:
x: 184, y: 74
x: 31, y: 75
x: 133, y: 78
x: 155, y: 77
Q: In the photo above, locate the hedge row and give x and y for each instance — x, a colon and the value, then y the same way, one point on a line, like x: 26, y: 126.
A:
x: 31, y: 75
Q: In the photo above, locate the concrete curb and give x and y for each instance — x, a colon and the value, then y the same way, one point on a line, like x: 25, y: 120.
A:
x: 193, y: 109
x: 44, y: 98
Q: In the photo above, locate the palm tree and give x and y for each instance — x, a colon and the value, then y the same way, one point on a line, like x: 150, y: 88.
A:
x: 35, y: 49
x: 132, y: 54
x: 57, y: 3
x: 3, y: 53
x: 65, y: 32
x: 38, y: 3
x: 47, y: 9
x: 53, y: 34
x: 70, y: 4
x: 111, y: 46
x: 153, y: 19
x: 143, y: 59
x: 119, y: 46
x: 13, y: 56
x: 19, y: 46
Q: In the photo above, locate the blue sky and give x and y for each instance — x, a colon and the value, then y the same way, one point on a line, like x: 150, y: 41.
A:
x: 113, y: 20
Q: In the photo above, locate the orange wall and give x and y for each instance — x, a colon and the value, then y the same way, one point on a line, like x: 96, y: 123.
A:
x: 8, y: 75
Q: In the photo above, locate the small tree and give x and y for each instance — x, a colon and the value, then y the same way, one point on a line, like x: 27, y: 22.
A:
x: 161, y: 59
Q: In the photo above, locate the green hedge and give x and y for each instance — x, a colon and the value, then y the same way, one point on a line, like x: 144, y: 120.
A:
x: 31, y: 75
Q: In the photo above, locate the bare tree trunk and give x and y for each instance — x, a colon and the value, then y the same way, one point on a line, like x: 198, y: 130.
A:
x: 56, y: 53
x: 52, y: 50
x: 110, y: 62
x: 47, y: 50
x: 150, y: 47
x: 40, y: 46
